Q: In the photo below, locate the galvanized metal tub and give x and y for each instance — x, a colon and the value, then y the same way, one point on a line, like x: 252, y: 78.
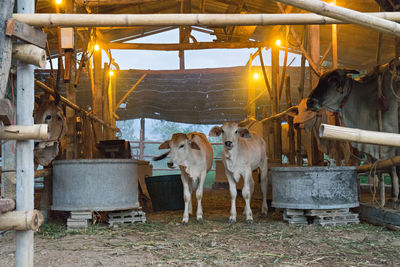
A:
x: 95, y: 184
x: 314, y: 187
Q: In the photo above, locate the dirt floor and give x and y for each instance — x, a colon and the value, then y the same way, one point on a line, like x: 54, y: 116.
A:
x: 163, y: 241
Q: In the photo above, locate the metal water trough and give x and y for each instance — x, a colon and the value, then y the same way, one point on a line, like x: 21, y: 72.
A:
x: 95, y: 184
x: 314, y: 187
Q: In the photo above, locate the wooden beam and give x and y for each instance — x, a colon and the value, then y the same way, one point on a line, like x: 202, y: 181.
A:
x: 6, y: 205
x: 26, y: 33
x: 277, y: 155
x: 97, y: 98
x: 95, y: 3
x: 251, y: 90
x: 133, y: 20
x: 292, y: 143
x: 43, y: 172
x: 334, y: 44
x: 21, y: 220
x: 130, y: 91
x: 345, y: 14
x: 186, y: 46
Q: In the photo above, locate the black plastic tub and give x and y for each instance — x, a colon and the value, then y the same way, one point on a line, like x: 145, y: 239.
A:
x: 166, y: 192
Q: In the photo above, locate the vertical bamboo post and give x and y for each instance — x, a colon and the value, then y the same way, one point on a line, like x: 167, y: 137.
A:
x: 113, y: 101
x: 25, y: 172
x: 71, y: 146
x: 98, y: 93
x: 251, y: 93
x: 142, y: 137
x: 276, y: 107
x: 334, y: 44
x: 290, y: 121
x: 314, y: 41
x: 106, y: 100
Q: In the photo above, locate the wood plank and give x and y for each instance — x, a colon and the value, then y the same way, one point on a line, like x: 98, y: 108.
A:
x: 26, y: 33
x: 384, y: 216
x: 5, y: 111
x: 6, y: 9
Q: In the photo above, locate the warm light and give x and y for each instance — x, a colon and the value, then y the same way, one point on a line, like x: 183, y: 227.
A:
x: 332, y: 3
x: 58, y: 2
x: 111, y: 73
x: 96, y: 47
x: 256, y: 76
x: 278, y: 42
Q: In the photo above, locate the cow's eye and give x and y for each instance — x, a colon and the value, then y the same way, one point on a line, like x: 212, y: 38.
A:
x: 48, y: 117
x: 222, y: 131
x: 181, y: 146
x: 236, y: 131
x: 59, y: 118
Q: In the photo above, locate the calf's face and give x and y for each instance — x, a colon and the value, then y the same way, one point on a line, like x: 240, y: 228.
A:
x: 231, y: 132
x: 302, y: 117
x: 48, y: 112
x: 180, y: 145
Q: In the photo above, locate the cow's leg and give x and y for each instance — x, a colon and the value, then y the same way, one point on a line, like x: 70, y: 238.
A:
x: 264, y: 188
x: 233, y: 192
x: 395, y: 184
x: 246, y: 193
x: 199, y: 196
x: 190, y: 182
x: 186, y: 197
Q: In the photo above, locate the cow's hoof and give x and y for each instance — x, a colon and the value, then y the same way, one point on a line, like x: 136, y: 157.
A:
x: 263, y: 215
x: 200, y: 221
x: 231, y: 221
x: 249, y: 221
x: 185, y: 223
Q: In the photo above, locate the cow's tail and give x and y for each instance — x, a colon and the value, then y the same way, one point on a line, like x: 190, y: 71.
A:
x: 163, y: 156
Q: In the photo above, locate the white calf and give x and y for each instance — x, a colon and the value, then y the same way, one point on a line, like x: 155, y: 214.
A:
x: 244, y: 152
x: 194, y: 155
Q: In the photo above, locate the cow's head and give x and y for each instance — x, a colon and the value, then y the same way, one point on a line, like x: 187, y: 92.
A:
x: 302, y: 117
x: 47, y: 111
x: 231, y: 132
x: 180, y: 146
x: 332, y: 88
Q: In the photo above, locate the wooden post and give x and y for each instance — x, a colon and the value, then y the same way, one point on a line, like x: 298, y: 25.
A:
x: 70, y: 91
x: 112, y: 101
x: 277, y: 157
x: 142, y: 138
x: 314, y: 42
x: 184, y: 32
x: 290, y: 121
x: 106, y: 100
x: 334, y: 44
x: 98, y: 93
x: 6, y: 9
x: 251, y: 94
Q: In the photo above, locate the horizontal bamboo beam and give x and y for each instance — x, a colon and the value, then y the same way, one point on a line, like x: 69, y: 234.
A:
x: 6, y: 205
x: 43, y: 172
x: 380, y: 165
x: 327, y: 131
x: 30, y: 54
x: 21, y: 220
x: 24, y: 132
x: 74, y: 106
x: 94, y: 3
x: 347, y: 15
x: 185, y: 46
x: 133, y: 20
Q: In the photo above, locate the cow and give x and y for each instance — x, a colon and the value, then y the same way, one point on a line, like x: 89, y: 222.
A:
x: 357, y: 102
x: 47, y: 111
x: 244, y: 151
x: 194, y: 155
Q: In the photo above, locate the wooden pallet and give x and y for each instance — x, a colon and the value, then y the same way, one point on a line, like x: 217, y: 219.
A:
x: 295, y: 216
x: 79, y: 220
x: 125, y: 217
x: 333, y: 217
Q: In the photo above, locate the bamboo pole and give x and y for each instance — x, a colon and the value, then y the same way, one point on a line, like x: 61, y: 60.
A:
x: 30, y: 54
x: 345, y: 14
x: 356, y: 135
x: 43, y: 172
x: 24, y: 132
x: 133, y: 20
x: 380, y: 165
x: 6, y: 204
x: 130, y: 91
x: 21, y: 220
x: 251, y: 91
x: 74, y: 106
x: 334, y: 44
x: 185, y: 46
x: 292, y: 148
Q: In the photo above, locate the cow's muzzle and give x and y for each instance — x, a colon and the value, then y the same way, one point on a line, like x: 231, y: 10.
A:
x: 228, y: 145
x: 313, y: 104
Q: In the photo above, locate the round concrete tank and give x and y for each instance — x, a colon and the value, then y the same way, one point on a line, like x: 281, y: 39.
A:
x: 95, y: 184
x: 314, y: 187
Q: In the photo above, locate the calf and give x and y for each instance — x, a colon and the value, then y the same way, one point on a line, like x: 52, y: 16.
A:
x: 47, y: 111
x: 194, y: 155
x: 244, y: 152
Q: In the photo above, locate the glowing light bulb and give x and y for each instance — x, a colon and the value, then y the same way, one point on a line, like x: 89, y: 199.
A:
x: 278, y: 42
x: 96, y: 47
x: 256, y: 76
x: 58, y: 2
x: 111, y: 73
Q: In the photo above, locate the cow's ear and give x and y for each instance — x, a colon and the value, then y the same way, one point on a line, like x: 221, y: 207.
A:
x: 244, y: 133
x: 293, y: 111
x: 165, y: 145
x: 193, y: 145
x: 215, y: 131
